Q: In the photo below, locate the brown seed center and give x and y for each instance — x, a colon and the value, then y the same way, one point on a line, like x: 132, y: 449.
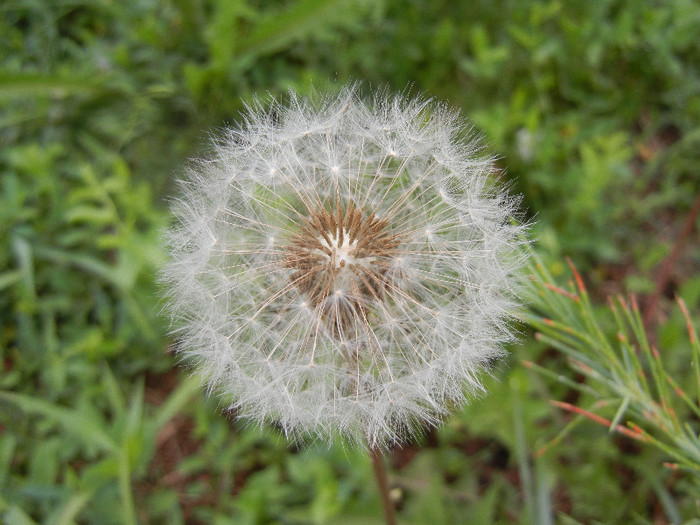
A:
x: 340, y: 260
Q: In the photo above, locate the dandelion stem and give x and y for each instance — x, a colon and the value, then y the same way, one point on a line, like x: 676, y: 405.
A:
x: 383, y: 485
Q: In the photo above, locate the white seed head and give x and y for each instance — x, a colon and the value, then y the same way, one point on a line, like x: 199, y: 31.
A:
x: 343, y: 266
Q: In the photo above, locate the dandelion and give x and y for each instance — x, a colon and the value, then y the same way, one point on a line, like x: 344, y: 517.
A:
x: 343, y: 266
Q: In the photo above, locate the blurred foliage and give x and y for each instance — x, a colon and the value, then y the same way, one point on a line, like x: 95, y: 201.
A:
x: 594, y: 108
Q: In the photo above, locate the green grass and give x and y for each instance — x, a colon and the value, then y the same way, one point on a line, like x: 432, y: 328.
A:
x: 594, y: 110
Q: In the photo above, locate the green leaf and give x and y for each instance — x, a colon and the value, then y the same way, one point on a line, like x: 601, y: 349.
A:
x: 8, y: 446
x: 67, y: 513
x: 113, y: 392
x: 16, y: 516
x: 17, y: 85
x: 275, y: 31
x: 74, y: 422
x: 177, y: 400
x: 8, y: 279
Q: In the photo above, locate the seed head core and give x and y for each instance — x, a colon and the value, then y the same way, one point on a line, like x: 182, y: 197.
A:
x: 340, y: 261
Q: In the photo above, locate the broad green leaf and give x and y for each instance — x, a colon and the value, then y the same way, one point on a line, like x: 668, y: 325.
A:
x: 67, y: 513
x: 275, y: 31
x: 74, y: 422
x: 16, y: 516
x: 8, y: 279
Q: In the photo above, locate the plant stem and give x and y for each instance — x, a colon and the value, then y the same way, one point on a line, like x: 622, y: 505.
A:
x: 383, y: 485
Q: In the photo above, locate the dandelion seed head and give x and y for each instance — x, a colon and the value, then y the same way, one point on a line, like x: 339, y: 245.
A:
x: 343, y: 266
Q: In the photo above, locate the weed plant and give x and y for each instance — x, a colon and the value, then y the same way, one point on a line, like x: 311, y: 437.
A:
x: 594, y: 109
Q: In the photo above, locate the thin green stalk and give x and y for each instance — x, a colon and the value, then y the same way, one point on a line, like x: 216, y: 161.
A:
x: 125, y: 489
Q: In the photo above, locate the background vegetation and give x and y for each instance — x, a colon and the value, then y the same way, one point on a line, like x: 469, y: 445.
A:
x: 593, y: 107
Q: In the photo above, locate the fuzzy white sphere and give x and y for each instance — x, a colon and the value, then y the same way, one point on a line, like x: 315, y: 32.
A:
x: 343, y: 267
